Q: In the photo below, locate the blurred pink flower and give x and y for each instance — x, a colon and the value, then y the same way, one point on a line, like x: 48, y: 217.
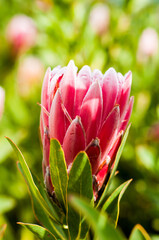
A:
x: 21, y: 33
x: 148, y: 44
x: 30, y: 71
x: 44, y: 5
x: 99, y: 18
x: 2, y: 99
x: 84, y: 111
x: 153, y: 132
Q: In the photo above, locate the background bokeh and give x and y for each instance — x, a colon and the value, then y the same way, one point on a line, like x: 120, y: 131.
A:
x: 100, y: 34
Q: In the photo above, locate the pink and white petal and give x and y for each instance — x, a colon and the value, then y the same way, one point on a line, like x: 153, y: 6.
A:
x: 94, y: 153
x: 67, y: 88
x: 74, y: 140
x: 97, y: 76
x: 83, y: 82
x: 109, y: 131
x: 109, y: 91
x: 85, y: 72
x: 57, y: 119
x: 54, y: 85
x: 125, y: 93
x: 44, y: 97
x: 127, y: 116
x: 91, y: 111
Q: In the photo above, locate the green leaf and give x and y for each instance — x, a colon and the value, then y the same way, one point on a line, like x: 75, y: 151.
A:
x: 118, y: 155
x: 42, y: 215
x: 45, y: 215
x: 40, y: 232
x: 139, y: 233
x: 30, y: 181
x: 80, y: 183
x: 97, y: 220
x: 6, y: 204
x: 58, y: 172
x: 47, y: 199
x: 112, y: 204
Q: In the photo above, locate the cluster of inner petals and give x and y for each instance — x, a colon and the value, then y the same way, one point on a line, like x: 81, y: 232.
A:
x: 85, y: 111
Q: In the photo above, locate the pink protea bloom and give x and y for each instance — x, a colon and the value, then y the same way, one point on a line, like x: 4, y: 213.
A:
x: 148, y: 44
x: 29, y: 77
x: 21, y: 33
x: 2, y: 99
x: 99, y: 18
x: 84, y: 111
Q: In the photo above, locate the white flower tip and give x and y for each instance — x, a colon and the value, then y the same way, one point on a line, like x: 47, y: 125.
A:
x: 71, y: 64
x: 128, y: 78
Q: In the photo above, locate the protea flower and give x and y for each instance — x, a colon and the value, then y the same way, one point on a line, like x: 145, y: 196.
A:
x: 84, y: 111
x: 21, y: 33
x: 148, y: 44
x: 99, y: 18
x: 29, y: 77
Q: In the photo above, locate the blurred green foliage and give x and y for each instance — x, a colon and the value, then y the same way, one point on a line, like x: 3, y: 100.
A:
x: 64, y: 33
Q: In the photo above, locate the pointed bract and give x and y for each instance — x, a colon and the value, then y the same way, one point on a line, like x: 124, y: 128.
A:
x: 67, y: 87
x: 91, y: 111
x: 74, y: 140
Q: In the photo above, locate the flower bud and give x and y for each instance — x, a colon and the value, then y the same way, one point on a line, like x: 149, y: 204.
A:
x: 21, y: 33
x: 85, y: 111
x: 148, y: 44
x: 29, y: 74
x: 99, y: 19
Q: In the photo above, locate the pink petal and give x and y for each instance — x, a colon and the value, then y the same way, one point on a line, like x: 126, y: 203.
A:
x: 82, y: 84
x: 109, y: 131
x: 112, y: 153
x: 44, y: 97
x: 97, y: 75
x: 110, y: 91
x: 93, y: 152
x: 57, y: 119
x: 56, y: 76
x: 74, y: 140
x: 125, y: 93
x: 67, y: 87
x: 127, y: 116
x: 91, y: 111
x: 41, y: 127
x: 100, y: 177
x: 46, y: 149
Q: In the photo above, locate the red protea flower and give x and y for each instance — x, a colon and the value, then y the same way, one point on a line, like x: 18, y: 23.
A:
x: 84, y: 111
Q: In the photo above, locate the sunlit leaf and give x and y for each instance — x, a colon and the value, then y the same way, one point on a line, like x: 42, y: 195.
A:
x: 139, y: 233
x: 40, y: 232
x: 113, y: 202
x: 97, y: 220
x: 58, y: 170
x: 42, y: 210
x: 80, y: 183
x: 42, y: 215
